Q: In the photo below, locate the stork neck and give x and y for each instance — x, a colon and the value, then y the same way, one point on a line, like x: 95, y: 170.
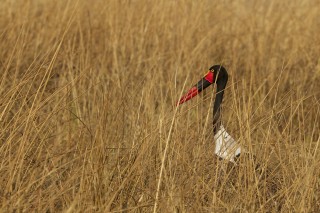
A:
x: 221, y: 78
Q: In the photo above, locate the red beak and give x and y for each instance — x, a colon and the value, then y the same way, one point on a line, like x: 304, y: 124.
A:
x: 206, y: 81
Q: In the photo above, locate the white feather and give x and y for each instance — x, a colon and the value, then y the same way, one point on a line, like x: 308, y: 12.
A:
x: 226, y: 147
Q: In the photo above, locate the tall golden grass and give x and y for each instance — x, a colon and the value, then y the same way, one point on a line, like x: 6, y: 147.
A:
x: 87, y: 95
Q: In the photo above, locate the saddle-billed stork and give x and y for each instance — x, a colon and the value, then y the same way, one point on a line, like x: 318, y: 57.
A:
x: 225, y: 146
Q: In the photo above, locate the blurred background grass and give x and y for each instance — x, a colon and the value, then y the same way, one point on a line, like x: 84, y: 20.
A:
x: 87, y: 93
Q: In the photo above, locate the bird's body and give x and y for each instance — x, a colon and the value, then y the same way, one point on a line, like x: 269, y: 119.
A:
x: 225, y: 146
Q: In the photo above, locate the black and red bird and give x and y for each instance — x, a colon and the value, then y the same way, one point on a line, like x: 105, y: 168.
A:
x: 226, y: 147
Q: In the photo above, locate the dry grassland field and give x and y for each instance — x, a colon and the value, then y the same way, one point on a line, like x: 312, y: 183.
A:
x: 88, y: 121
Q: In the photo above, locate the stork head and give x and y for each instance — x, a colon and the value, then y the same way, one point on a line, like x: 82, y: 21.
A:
x: 216, y: 74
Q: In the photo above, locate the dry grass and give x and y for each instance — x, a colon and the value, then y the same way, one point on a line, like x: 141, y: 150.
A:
x: 87, y: 90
